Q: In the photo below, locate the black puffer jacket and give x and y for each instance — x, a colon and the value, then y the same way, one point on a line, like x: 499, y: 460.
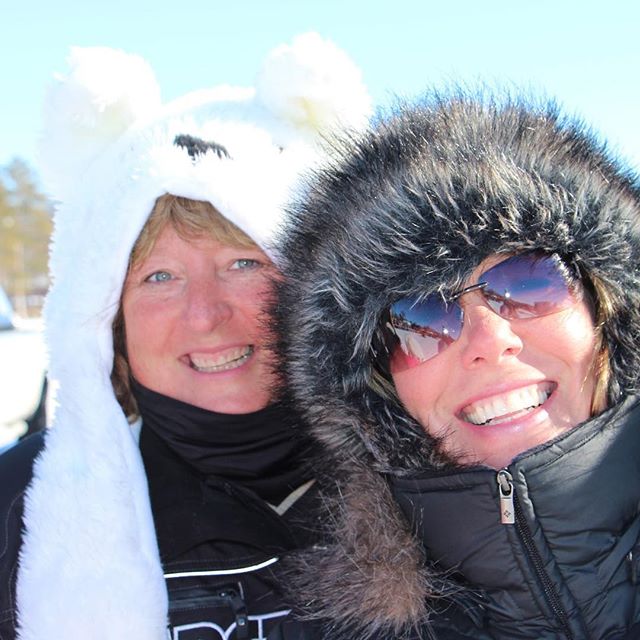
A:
x: 569, y: 565
x: 418, y: 545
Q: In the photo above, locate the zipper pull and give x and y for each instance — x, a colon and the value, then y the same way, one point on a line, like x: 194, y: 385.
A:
x: 242, y: 617
x: 505, y: 487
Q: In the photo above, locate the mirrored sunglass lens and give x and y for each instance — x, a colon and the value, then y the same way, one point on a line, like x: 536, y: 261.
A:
x: 420, y: 330
x: 528, y: 286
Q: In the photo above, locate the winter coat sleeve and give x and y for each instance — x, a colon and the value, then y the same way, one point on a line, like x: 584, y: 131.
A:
x: 15, y: 474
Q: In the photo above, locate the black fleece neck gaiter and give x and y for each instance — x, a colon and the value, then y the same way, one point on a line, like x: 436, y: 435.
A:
x: 261, y: 450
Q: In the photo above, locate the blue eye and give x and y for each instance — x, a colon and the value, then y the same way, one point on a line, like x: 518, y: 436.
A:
x: 245, y: 263
x: 159, y: 276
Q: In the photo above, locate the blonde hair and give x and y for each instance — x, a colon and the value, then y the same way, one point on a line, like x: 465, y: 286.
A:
x: 190, y: 219
x: 604, y: 309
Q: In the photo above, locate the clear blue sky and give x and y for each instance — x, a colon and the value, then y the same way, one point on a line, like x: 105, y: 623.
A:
x: 583, y: 52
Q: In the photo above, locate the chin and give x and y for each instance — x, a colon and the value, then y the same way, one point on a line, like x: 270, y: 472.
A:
x: 235, y: 406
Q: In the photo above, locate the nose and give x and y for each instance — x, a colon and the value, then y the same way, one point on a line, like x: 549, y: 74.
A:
x: 207, y: 305
x: 486, y: 337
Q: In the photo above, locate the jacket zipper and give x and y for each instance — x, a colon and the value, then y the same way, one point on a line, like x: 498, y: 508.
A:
x: 511, y: 513
x: 239, y: 609
x: 225, y: 596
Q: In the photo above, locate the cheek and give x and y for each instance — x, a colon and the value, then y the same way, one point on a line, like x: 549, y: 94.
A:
x: 251, y: 303
x: 261, y: 292
x: 584, y: 346
x: 573, y: 339
x: 143, y: 333
x: 566, y: 347
x: 419, y: 390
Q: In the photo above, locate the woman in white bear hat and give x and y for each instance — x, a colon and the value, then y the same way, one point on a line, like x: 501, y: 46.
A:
x: 172, y: 479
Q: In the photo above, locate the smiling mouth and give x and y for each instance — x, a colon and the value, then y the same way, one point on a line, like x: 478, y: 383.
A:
x: 228, y: 359
x: 507, y: 406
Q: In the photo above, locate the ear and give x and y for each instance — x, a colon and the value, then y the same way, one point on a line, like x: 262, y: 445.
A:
x: 104, y: 93
x: 313, y: 85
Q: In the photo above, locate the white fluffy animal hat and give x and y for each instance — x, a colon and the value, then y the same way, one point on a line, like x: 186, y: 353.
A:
x: 89, y: 565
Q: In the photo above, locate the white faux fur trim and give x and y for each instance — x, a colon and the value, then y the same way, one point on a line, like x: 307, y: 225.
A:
x: 89, y: 564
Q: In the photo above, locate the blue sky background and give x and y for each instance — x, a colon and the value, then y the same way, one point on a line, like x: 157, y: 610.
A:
x: 584, y: 53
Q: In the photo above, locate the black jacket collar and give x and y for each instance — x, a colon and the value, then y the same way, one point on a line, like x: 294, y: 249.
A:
x: 189, y: 511
x: 577, y: 506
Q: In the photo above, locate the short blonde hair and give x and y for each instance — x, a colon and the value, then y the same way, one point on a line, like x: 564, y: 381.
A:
x: 190, y: 219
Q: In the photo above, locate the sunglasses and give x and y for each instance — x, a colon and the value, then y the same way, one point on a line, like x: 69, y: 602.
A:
x: 529, y: 285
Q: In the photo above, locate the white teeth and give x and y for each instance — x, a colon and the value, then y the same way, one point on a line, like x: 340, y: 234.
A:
x: 499, y: 407
x: 221, y: 362
x: 507, y: 406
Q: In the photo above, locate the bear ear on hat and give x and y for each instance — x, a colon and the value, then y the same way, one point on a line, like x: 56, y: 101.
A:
x: 314, y: 85
x: 104, y: 93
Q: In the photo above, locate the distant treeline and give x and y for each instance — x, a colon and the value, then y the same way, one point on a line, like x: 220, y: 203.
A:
x: 25, y: 227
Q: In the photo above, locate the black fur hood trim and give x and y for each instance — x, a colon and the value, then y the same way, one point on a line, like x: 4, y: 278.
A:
x: 417, y: 204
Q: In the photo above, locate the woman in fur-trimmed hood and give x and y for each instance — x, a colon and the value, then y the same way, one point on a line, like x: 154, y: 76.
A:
x: 462, y: 334
x: 172, y: 480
